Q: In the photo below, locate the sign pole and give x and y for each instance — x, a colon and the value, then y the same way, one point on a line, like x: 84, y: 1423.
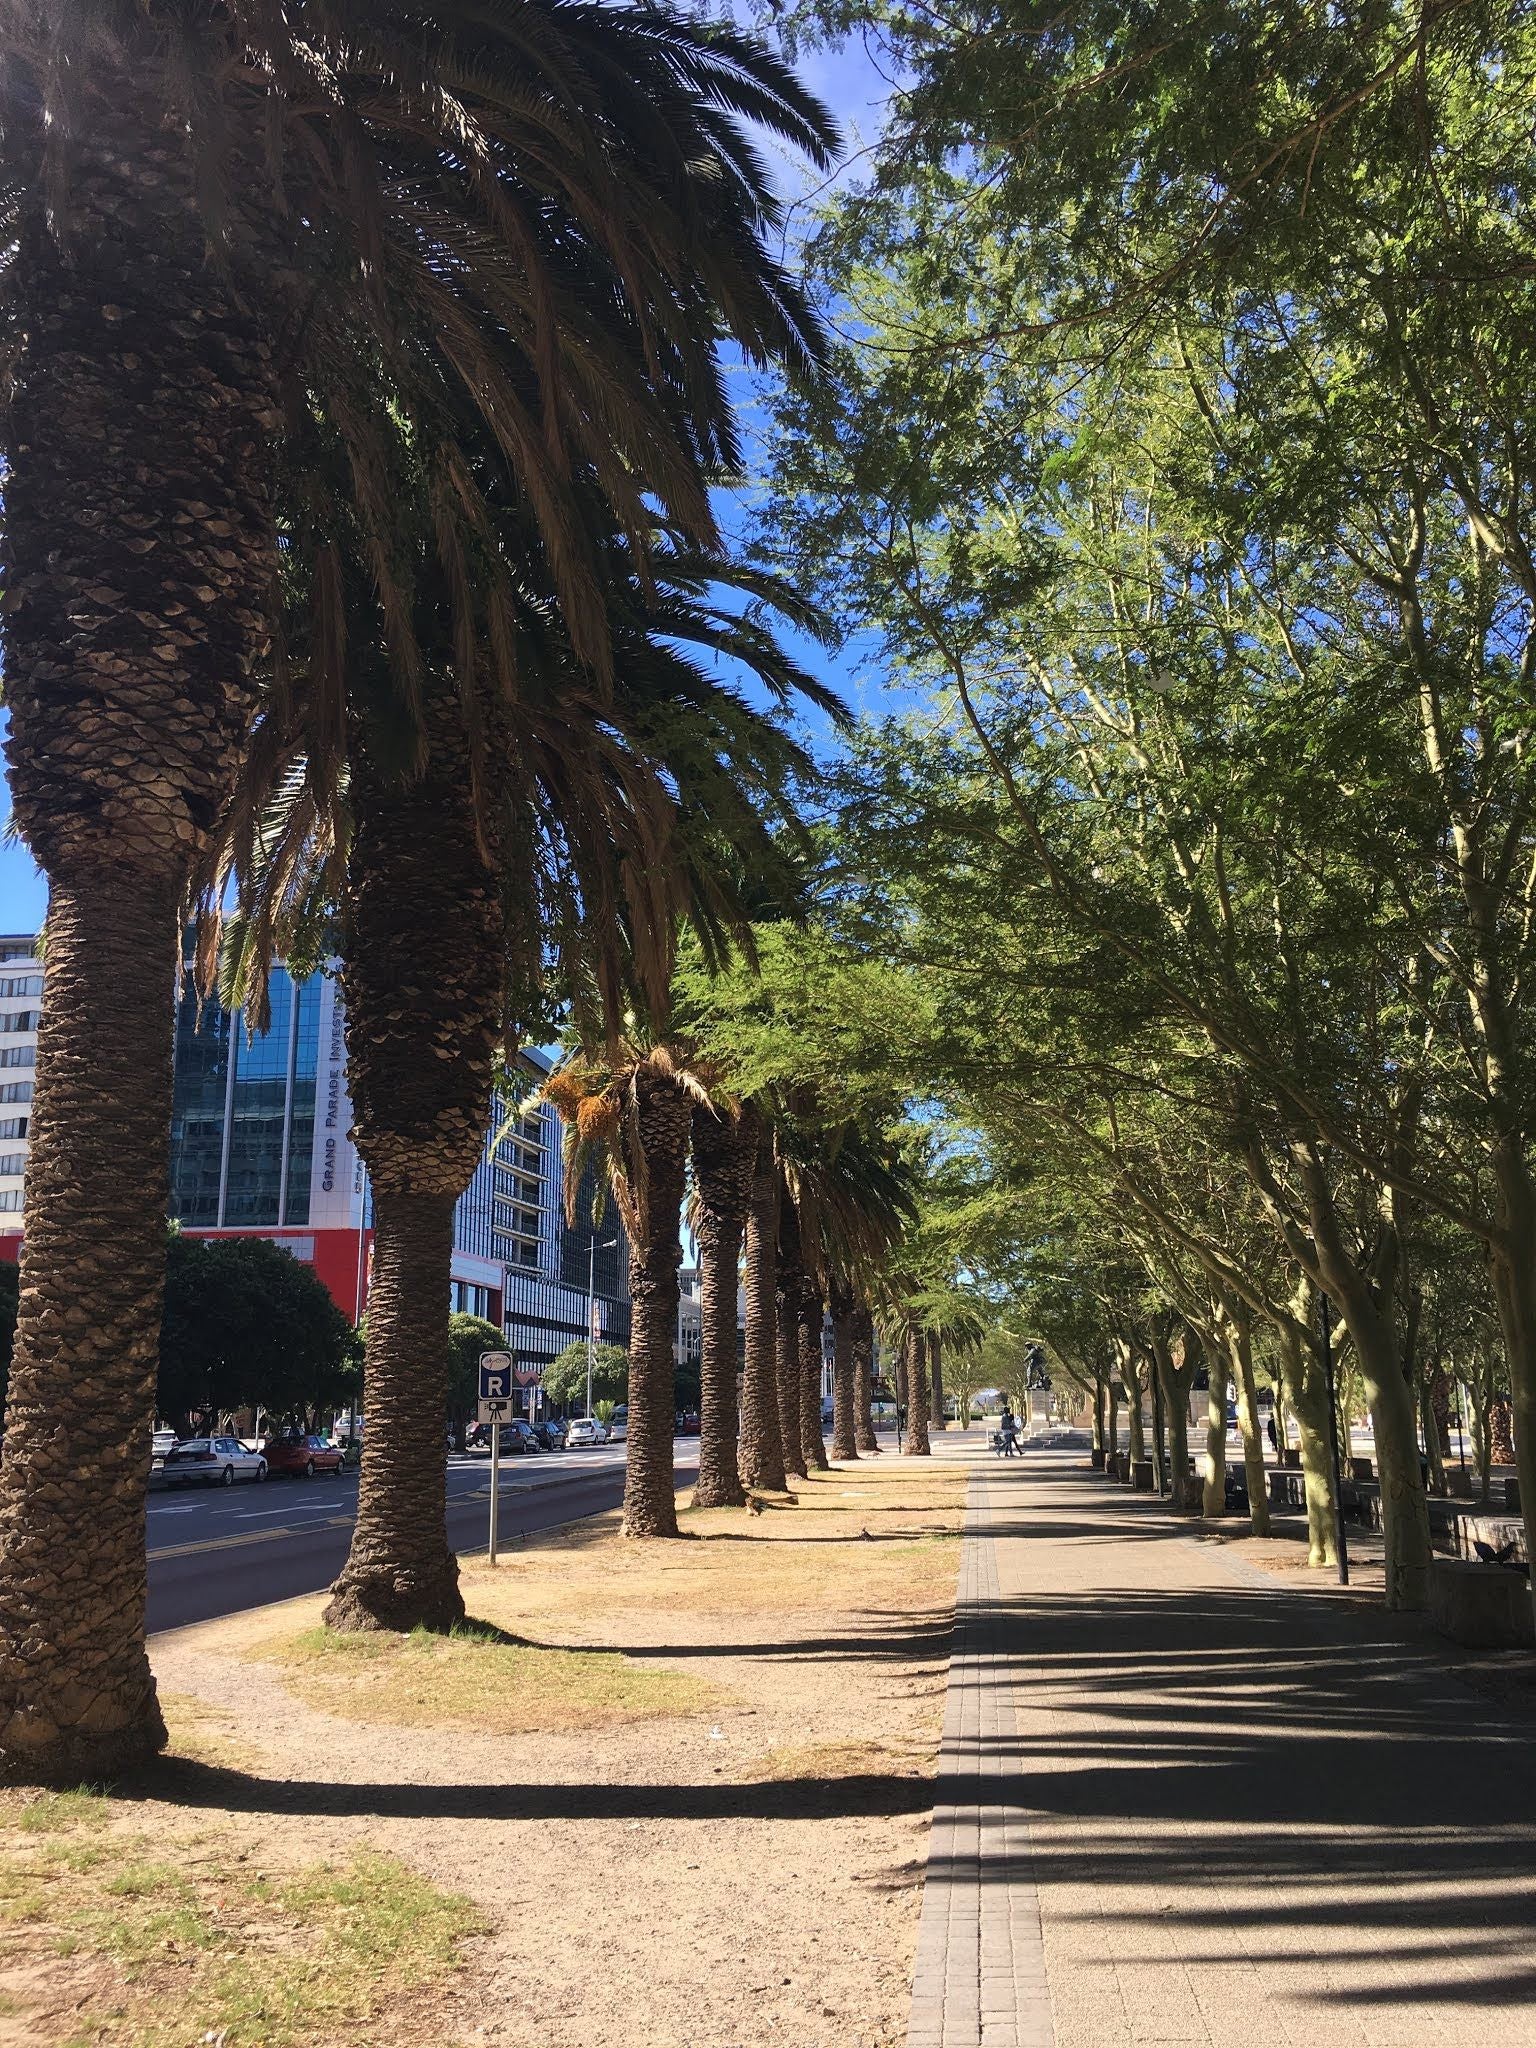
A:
x: 495, y: 1483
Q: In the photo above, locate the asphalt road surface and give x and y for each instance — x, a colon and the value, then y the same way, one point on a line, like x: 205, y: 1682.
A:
x: 217, y: 1550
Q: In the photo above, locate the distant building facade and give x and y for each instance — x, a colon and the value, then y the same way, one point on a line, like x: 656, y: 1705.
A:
x: 260, y: 1148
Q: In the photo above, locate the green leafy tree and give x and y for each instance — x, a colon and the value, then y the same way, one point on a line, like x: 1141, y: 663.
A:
x: 565, y: 1377
x: 246, y: 1324
x: 468, y: 1337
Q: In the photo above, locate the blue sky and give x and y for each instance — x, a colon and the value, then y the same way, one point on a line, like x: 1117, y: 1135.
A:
x: 856, y: 93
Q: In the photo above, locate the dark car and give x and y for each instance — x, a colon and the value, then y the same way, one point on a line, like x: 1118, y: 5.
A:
x: 518, y: 1435
x: 301, y: 1456
x: 687, y: 1423
x: 550, y: 1434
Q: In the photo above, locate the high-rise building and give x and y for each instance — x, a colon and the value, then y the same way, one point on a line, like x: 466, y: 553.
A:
x: 260, y: 1147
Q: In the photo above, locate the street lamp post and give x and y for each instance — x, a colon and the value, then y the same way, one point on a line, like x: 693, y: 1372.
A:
x: 1341, y: 1547
x: 592, y: 1251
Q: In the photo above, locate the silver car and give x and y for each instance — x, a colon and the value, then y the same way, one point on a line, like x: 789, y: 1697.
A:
x: 584, y: 1431
x: 212, y: 1461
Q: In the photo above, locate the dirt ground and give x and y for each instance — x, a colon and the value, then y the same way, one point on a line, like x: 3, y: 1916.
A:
x: 684, y: 1788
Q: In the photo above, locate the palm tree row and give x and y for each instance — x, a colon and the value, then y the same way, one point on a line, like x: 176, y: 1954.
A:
x: 364, y: 393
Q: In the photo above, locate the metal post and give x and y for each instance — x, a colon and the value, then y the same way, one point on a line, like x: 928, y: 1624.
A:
x: 1158, y: 1446
x: 1339, y: 1542
x: 495, y: 1484
x: 591, y: 1296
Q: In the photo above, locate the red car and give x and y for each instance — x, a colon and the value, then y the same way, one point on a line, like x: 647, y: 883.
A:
x: 301, y: 1457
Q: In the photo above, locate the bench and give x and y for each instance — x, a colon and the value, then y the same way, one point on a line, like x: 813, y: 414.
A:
x: 1482, y: 1605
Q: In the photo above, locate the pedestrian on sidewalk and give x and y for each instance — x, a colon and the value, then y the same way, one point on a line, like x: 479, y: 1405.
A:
x: 1010, y: 1433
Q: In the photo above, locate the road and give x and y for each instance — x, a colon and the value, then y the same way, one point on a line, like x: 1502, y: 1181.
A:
x: 217, y: 1551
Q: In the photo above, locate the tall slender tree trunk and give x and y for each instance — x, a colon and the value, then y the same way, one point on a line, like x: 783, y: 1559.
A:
x: 865, y: 1440
x: 808, y: 1325
x: 422, y: 980
x: 1097, y: 1424
x: 400, y: 1573
x: 140, y: 561
x: 845, y: 1390
x: 1214, y: 1496
x: 762, y: 1448
x: 1112, y: 1432
x: 1307, y: 1393
x: 1176, y: 1380
x: 935, y: 1379
x: 916, y: 1351
x: 1239, y: 1332
x: 661, y: 1132
x: 1514, y: 1291
x: 1130, y: 1374
x: 791, y: 1282
x: 724, y: 1151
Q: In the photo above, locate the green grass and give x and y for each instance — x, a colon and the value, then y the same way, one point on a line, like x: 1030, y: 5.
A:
x: 203, y: 1949
x: 478, y: 1677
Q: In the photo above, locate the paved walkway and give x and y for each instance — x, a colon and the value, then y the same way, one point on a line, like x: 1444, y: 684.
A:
x: 1178, y: 1806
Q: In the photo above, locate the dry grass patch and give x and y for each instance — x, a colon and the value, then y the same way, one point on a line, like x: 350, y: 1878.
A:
x: 823, y: 1760
x: 478, y: 1678
x: 203, y: 1734
x: 110, y: 1936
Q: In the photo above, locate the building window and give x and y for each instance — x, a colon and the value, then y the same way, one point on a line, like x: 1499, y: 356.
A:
x: 197, y: 1118
x: 16, y: 1091
x: 258, y: 1117
x: 13, y: 1162
x: 25, y: 949
x: 301, y: 1130
x: 19, y: 1020
x: 18, y: 1055
x: 21, y: 984
x: 13, y: 1126
x: 466, y: 1299
x: 10, y: 1200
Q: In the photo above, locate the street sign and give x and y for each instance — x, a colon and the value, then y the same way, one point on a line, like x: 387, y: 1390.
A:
x: 498, y: 1372
x: 495, y: 1411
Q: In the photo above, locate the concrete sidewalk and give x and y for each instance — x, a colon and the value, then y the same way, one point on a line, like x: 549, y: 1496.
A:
x: 1235, y: 1814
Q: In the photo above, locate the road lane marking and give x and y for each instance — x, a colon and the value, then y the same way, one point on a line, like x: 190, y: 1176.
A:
x: 252, y: 1536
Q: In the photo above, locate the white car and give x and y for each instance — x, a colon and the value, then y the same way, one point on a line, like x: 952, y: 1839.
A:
x: 585, y: 1430
x: 212, y: 1461
x: 618, y: 1428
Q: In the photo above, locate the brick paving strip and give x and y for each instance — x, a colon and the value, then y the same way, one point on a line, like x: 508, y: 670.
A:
x: 979, y: 1977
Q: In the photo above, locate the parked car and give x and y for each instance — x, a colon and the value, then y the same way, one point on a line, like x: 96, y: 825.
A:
x: 301, y: 1456
x: 212, y: 1461
x: 618, y: 1426
x: 687, y: 1423
x: 520, y: 1436
x: 550, y: 1434
x: 585, y: 1431
x: 161, y: 1444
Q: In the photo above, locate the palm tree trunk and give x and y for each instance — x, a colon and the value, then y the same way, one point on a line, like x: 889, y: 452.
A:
x: 809, y: 1323
x: 762, y: 1449
x: 77, y: 1701
x: 844, y: 1376
x: 140, y: 560
x: 400, y: 1573
x: 422, y: 979
x: 935, y: 1380
x: 865, y: 1440
x: 663, y: 1121
x: 918, y: 1445
x: 787, y: 1357
x: 723, y: 1153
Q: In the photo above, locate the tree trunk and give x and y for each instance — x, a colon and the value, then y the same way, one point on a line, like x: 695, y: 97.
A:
x: 1214, y: 1495
x: 1130, y: 1374
x: 1098, y: 1414
x: 787, y: 1356
x: 77, y: 1702
x: 661, y: 1132
x: 400, y: 1573
x: 1307, y: 1393
x: 935, y: 1380
x: 1176, y: 1380
x: 1240, y: 1343
x: 1112, y: 1432
x: 762, y: 1448
x: 140, y: 561
x: 916, y: 1350
x: 422, y: 980
x: 808, y: 1325
x: 864, y: 1437
x: 724, y: 1151
x: 845, y: 1389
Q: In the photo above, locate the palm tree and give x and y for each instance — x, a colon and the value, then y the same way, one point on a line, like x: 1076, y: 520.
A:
x: 437, y: 195
x: 724, y: 1158
x: 635, y: 1109
x: 863, y: 1342
x: 810, y: 1320
x: 844, y: 1307
x: 789, y: 1291
x: 762, y: 1443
